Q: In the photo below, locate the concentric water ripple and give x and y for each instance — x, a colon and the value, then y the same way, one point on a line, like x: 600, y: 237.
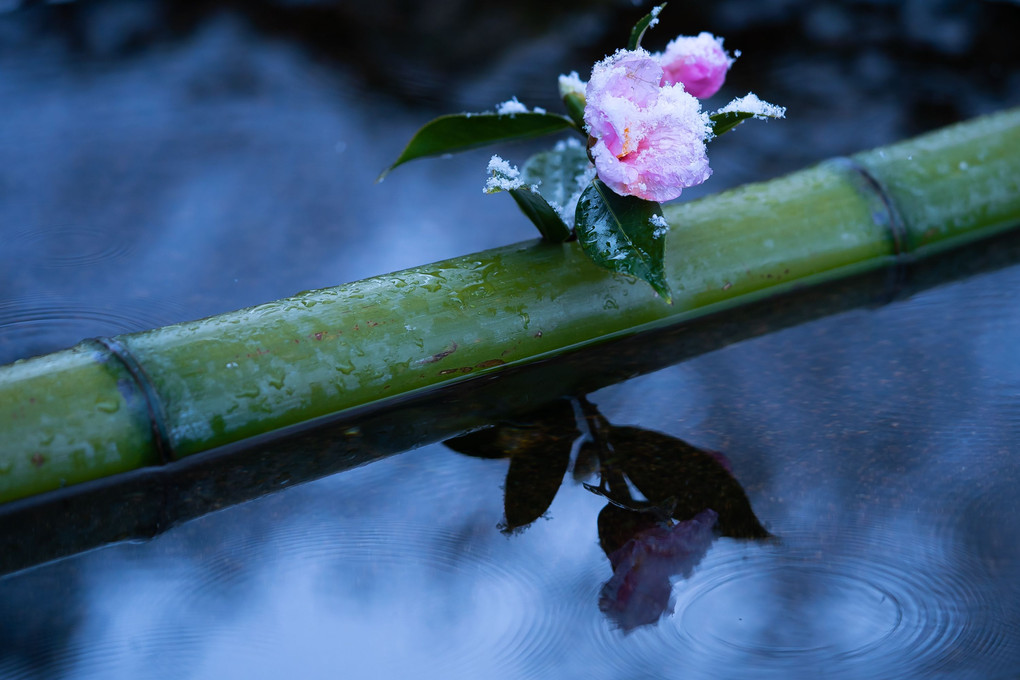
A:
x: 114, y: 656
x: 985, y: 524
x: 449, y: 587
x: 125, y: 635
x: 36, y: 325
x: 971, y: 502
x: 498, y: 614
x: 874, y: 608
x: 854, y: 615
x: 71, y: 246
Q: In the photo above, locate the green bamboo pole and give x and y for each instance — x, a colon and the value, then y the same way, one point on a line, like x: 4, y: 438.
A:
x: 148, y: 501
x: 115, y: 405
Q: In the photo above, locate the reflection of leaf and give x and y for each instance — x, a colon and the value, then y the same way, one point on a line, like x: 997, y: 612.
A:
x: 538, y: 446
x: 587, y: 462
x: 665, y: 468
x: 618, y: 525
x: 492, y: 442
x: 532, y: 481
x: 618, y: 234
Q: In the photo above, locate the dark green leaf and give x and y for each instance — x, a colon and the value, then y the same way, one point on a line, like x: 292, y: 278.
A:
x: 463, y: 131
x: 559, y: 173
x: 724, y: 122
x: 617, y: 233
x: 575, y: 103
x: 646, y: 22
x: 549, y: 181
x: 544, y: 216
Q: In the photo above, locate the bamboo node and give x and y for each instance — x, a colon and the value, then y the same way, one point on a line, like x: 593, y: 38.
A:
x: 153, y: 404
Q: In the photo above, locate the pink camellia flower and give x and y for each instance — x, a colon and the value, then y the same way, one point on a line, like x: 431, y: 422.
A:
x: 649, y: 137
x: 699, y: 63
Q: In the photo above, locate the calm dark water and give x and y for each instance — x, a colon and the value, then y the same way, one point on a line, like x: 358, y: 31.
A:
x: 158, y: 165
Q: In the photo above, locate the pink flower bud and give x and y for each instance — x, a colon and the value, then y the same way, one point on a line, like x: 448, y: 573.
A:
x: 649, y: 138
x: 699, y: 63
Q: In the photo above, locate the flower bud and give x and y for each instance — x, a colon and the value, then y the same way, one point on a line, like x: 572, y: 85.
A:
x: 698, y: 63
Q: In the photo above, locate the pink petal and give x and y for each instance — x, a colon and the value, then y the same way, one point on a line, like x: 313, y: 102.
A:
x: 698, y: 63
x: 650, y: 139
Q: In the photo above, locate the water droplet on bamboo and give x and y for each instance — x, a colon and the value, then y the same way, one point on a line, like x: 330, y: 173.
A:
x: 249, y: 392
x: 480, y: 289
x: 108, y: 405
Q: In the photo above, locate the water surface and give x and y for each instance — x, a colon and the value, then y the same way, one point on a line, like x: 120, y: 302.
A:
x: 153, y: 172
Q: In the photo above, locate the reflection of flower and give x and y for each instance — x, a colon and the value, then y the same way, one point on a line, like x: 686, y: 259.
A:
x: 699, y: 63
x: 649, y: 137
x: 640, y: 592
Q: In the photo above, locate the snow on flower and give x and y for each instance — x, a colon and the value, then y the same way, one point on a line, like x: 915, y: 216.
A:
x: 699, y: 63
x: 640, y: 591
x: 649, y: 137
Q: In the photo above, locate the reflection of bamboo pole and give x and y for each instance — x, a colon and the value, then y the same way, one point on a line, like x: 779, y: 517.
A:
x: 114, y: 405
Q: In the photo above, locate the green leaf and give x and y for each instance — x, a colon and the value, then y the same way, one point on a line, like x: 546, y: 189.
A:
x: 559, y: 173
x: 646, y: 22
x: 548, y: 183
x: 575, y: 103
x: 724, y: 122
x: 617, y: 233
x: 542, y: 215
x: 463, y: 131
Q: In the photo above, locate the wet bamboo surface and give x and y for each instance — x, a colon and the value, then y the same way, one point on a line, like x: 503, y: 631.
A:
x: 144, y: 503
